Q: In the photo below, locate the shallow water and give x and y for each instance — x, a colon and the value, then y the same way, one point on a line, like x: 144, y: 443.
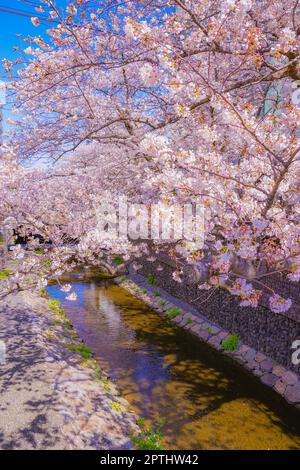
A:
x: 204, y: 400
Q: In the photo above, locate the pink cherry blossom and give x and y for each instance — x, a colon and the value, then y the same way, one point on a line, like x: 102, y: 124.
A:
x: 125, y: 100
x: 35, y: 21
x: 72, y: 297
x: 66, y: 288
x: 279, y: 304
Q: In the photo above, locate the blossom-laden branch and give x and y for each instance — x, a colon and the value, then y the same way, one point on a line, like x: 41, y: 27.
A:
x: 168, y: 100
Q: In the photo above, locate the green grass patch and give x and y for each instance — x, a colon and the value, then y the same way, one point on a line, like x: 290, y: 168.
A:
x: 173, y: 312
x: 136, y: 289
x: 5, y: 273
x: 151, y: 280
x: 93, y: 365
x: 54, y: 305
x: 98, y: 371
x: 74, y: 336
x: 43, y: 293
x: 230, y: 343
x: 118, y: 260
x: 157, y: 293
x: 116, y: 406
x: 105, y: 383
x: 65, y: 320
x: 49, y: 335
x: 81, y: 349
x: 148, y: 438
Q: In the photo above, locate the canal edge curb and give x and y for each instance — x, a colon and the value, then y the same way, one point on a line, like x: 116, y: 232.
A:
x: 273, y: 375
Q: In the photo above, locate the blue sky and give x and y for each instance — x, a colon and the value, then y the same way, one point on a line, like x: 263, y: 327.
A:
x: 13, y: 24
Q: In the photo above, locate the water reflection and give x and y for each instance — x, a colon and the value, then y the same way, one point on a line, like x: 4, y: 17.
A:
x: 205, y: 401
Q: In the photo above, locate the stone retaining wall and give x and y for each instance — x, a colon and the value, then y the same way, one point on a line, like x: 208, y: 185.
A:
x: 270, y: 373
x: 268, y: 332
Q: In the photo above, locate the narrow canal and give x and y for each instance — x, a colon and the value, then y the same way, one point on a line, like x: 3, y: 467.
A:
x: 203, y: 399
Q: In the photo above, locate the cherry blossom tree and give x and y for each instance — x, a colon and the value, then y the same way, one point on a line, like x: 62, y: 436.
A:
x: 54, y: 213
x: 178, y: 100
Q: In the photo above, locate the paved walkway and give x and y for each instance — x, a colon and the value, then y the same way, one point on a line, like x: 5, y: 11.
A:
x: 48, y: 400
